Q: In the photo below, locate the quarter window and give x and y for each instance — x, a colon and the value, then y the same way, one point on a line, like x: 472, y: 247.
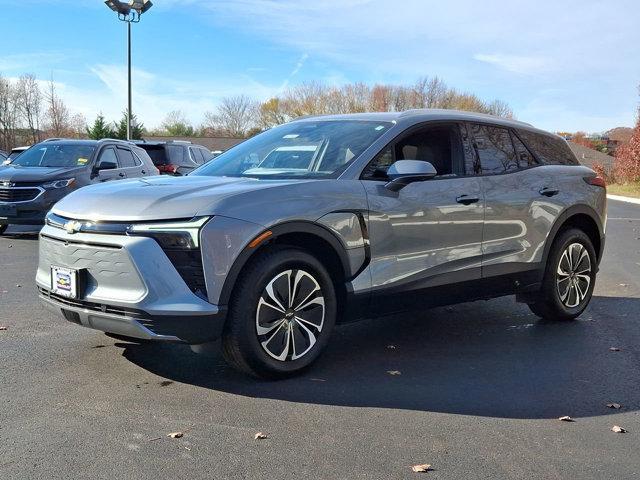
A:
x: 550, y: 149
x: 494, y: 148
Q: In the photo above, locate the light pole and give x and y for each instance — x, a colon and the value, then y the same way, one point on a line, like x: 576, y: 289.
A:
x: 129, y: 12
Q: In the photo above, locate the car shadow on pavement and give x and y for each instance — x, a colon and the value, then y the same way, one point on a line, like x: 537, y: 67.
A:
x: 484, y: 358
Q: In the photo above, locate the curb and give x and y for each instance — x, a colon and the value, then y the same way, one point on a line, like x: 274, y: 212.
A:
x: 620, y: 198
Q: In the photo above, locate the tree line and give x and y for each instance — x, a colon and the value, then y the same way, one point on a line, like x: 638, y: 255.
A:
x: 29, y: 113
x: 243, y: 116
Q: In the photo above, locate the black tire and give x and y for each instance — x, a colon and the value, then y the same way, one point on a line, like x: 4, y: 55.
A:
x: 550, y: 303
x: 244, y: 347
x: 3, y: 228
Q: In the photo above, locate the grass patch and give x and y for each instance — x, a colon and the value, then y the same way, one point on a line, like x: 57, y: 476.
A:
x: 626, y: 190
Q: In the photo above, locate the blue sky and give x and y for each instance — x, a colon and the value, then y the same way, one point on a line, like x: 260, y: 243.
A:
x: 562, y: 65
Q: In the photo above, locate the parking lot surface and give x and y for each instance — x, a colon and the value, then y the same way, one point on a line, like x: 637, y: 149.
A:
x: 475, y: 390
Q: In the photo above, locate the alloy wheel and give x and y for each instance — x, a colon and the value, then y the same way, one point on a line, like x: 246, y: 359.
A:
x: 574, y: 275
x: 290, y: 315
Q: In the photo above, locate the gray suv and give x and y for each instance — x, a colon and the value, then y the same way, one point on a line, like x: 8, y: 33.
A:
x: 40, y: 176
x: 360, y: 215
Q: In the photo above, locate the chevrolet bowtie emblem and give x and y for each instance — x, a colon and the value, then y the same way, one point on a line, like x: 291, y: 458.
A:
x: 72, y: 227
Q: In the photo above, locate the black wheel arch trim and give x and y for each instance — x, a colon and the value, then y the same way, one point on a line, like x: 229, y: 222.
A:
x: 561, y: 222
x: 296, y: 226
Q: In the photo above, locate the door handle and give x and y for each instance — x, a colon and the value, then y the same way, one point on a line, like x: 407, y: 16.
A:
x: 467, y: 199
x: 121, y: 174
x: 549, y: 192
x: 144, y: 172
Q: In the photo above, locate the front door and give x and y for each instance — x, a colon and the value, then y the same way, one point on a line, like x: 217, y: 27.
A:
x: 428, y: 233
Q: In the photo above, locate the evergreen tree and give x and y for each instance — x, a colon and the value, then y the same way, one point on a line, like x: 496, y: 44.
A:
x: 137, y: 129
x: 100, y: 129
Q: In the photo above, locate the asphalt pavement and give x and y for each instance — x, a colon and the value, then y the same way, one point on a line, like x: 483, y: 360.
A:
x: 475, y: 390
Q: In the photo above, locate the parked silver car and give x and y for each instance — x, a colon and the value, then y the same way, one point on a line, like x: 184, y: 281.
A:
x: 391, y: 211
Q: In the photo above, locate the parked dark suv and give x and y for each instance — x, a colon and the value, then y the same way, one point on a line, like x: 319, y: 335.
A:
x: 176, y: 157
x: 327, y: 219
x: 46, y: 172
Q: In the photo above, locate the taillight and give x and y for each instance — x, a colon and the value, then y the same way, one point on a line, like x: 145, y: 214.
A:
x: 168, y: 168
x: 597, y: 181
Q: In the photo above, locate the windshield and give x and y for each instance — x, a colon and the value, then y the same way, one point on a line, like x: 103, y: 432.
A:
x: 55, y: 155
x: 304, y: 149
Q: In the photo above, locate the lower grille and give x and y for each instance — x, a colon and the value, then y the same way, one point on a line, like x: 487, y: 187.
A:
x: 18, y: 194
x: 188, y: 263
x: 96, y: 307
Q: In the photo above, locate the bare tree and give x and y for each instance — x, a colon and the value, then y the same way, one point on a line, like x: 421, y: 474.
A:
x: 57, y: 114
x: 29, y: 102
x: 8, y: 114
x: 235, y: 116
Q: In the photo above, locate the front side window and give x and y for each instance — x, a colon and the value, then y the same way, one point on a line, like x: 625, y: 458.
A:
x: 305, y: 149
x: 439, y: 145
x: 108, y: 156
x: 495, y: 149
x: 55, y: 155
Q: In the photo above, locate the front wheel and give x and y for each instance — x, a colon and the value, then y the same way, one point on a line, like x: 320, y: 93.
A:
x: 3, y: 228
x: 569, y: 277
x: 281, y: 315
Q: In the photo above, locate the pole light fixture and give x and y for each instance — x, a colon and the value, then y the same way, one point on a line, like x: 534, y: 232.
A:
x: 129, y: 12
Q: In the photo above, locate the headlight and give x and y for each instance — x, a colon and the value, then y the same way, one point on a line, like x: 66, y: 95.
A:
x: 183, y: 235
x: 60, y: 183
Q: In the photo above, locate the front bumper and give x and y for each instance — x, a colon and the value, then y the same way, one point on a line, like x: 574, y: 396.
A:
x: 33, y: 212
x: 130, y: 288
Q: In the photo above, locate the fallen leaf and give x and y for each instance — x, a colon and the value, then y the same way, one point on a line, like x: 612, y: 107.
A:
x: 624, y: 284
x: 260, y: 436
x: 391, y: 347
x: 394, y: 372
x: 614, y: 349
x: 18, y: 285
x: 3, y: 328
x: 614, y: 405
x: 618, y: 429
x: 10, y: 246
x: 176, y: 435
x: 425, y: 467
x: 566, y: 418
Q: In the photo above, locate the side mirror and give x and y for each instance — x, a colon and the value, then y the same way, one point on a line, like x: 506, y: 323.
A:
x: 106, y: 165
x: 404, y: 172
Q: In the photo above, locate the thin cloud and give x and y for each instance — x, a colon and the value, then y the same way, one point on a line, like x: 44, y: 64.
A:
x: 522, y: 64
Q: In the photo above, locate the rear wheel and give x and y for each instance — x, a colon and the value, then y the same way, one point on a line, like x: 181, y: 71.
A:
x: 281, y: 314
x: 3, y: 228
x: 569, y: 277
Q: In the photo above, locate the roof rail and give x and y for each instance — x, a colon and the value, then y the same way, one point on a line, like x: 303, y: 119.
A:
x: 179, y: 141
x: 115, y: 140
x: 53, y: 139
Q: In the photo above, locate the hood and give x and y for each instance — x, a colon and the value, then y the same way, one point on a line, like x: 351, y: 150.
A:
x: 157, y: 198
x: 17, y: 174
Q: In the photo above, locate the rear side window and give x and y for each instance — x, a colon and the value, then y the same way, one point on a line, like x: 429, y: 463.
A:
x: 525, y: 158
x: 549, y: 149
x: 126, y: 158
x: 495, y: 149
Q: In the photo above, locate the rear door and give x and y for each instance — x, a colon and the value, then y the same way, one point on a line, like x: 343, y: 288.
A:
x: 130, y: 165
x: 517, y: 214
x: 429, y: 233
